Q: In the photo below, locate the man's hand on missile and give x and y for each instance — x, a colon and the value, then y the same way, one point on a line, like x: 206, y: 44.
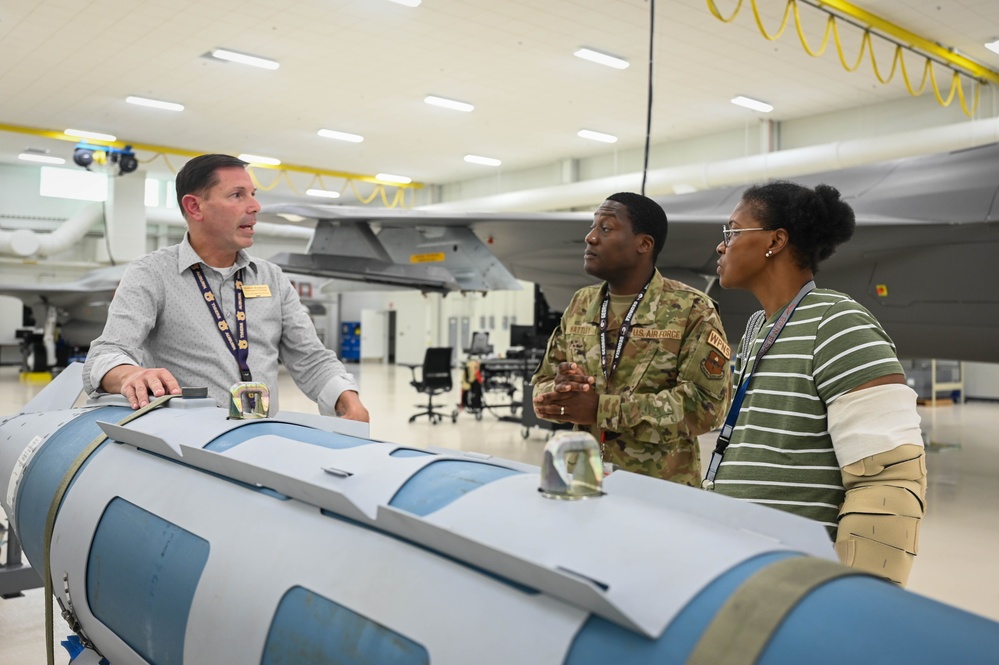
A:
x: 573, y: 399
x: 349, y: 406
x: 138, y: 383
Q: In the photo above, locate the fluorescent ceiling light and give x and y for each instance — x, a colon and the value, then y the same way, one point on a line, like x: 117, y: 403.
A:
x: 408, y: 3
x: 602, y: 58
x: 325, y: 193
x: 257, y: 159
x: 340, y: 136
x: 596, y: 136
x: 154, y: 103
x: 754, y: 104
x: 399, y: 179
x: 244, y: 59
x: 41, y: 158
x: 448, y: 103
x: 993, y: 46
x: 485, y: 161
x: 292, y: 217
x: 97, y: 136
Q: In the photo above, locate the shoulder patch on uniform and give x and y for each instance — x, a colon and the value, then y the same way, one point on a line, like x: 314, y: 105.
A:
x: 714, y: 365
x: 655, y: 334
x: 717, y: 341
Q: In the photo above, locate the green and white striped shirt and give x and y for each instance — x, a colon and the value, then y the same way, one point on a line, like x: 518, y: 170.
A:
x: 781, y: 454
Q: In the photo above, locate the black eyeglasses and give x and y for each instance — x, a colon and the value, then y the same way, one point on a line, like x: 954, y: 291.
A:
x: 727, y: 233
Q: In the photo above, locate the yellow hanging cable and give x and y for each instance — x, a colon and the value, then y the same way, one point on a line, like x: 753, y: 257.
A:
x: 783, y: 21
x: 830, y: 27
x: 980, y: 73
x: 713, y: 8
x: 896, y: 59
x: 364, y: 200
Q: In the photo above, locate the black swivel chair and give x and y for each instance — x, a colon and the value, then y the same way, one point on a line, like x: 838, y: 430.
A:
x: 436, y: 379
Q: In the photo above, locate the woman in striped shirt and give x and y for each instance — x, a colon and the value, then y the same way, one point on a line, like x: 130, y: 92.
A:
x: 828, y: 428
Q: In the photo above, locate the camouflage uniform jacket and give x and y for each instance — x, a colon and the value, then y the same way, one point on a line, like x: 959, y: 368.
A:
x: 673, y: 381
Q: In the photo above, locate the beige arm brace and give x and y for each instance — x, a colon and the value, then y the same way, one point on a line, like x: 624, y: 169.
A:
x: 885, y: 490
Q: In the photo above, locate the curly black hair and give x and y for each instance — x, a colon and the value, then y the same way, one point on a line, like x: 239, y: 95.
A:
x: 816, y: 220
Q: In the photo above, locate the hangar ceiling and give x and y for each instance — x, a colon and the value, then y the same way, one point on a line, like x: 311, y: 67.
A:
x: 365, y: 66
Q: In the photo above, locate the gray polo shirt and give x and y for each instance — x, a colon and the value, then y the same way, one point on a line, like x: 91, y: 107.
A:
x: 159, y: 318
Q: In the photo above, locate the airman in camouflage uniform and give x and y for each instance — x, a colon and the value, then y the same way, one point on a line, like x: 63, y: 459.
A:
x: 672, y: 381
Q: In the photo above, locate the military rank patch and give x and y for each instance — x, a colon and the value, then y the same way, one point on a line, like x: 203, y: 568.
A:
x: 717, y: 341
x: 714, y: 365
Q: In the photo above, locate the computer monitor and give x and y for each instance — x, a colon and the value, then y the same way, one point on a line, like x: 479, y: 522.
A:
x: 522, y: 336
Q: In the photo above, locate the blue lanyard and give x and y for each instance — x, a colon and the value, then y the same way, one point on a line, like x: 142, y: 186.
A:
x: 239, y: 346
x: 733, y: 413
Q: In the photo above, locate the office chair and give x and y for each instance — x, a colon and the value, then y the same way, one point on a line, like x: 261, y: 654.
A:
x: 480, y: 345
x: 436, y: 379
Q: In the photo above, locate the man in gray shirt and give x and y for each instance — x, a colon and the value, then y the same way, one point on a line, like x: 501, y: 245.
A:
x: 205, y: 312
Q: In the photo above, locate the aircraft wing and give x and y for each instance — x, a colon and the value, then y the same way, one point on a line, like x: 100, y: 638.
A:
x: 923, y: 258
x: 81, y: 307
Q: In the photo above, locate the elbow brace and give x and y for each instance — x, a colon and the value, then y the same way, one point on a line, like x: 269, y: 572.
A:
x: 879, y: 518
x: 876, y: 435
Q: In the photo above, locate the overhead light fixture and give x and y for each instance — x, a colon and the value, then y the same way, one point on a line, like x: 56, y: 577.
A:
x: 993, y: 45
x: 291, y: 217
x: 602, y: 58
x: 96, y: 136
x: 154, y: 103
x: 485, y: 161
x: 245, y: 59
x: 257, y: 159
x: 448, y: 103
x: 324, y: 193
x: 407, y: 3
x: 40, y: 157
x: 751, y: 103
x: 596, y: 136
x: 340, y: 136
x: 398, y: 179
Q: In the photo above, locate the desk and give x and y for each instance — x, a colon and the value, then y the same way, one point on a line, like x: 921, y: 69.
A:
x: 501, y: 378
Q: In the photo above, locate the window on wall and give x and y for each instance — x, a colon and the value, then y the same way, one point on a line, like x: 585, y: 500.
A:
x: 152, y: 192
x: 171, y: 194
x: 73, y: 184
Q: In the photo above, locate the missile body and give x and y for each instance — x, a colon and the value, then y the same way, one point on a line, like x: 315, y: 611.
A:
x: 187, y: 537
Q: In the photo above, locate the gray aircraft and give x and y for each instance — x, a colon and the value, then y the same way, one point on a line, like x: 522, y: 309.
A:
x: 71, y: 312
x: 923, y: 258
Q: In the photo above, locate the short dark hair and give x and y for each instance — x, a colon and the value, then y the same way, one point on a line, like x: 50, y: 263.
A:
x: 198, y: 175
x: 647, y: 217
x: 816, y: 220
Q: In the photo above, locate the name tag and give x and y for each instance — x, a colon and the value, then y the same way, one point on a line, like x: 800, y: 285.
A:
x: 256, y: 291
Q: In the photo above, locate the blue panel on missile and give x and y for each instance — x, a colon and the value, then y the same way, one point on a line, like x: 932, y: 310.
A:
x: 316, y: 437
x: 600, y: 641
x: 45, y: 472
x: 439, y: 483
x: 142, y: 573
x: 308, y: 628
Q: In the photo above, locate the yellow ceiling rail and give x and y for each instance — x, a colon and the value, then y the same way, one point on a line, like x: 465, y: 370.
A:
x: 949, y: 56
x: 165, y: 150
x: 930, y: 51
